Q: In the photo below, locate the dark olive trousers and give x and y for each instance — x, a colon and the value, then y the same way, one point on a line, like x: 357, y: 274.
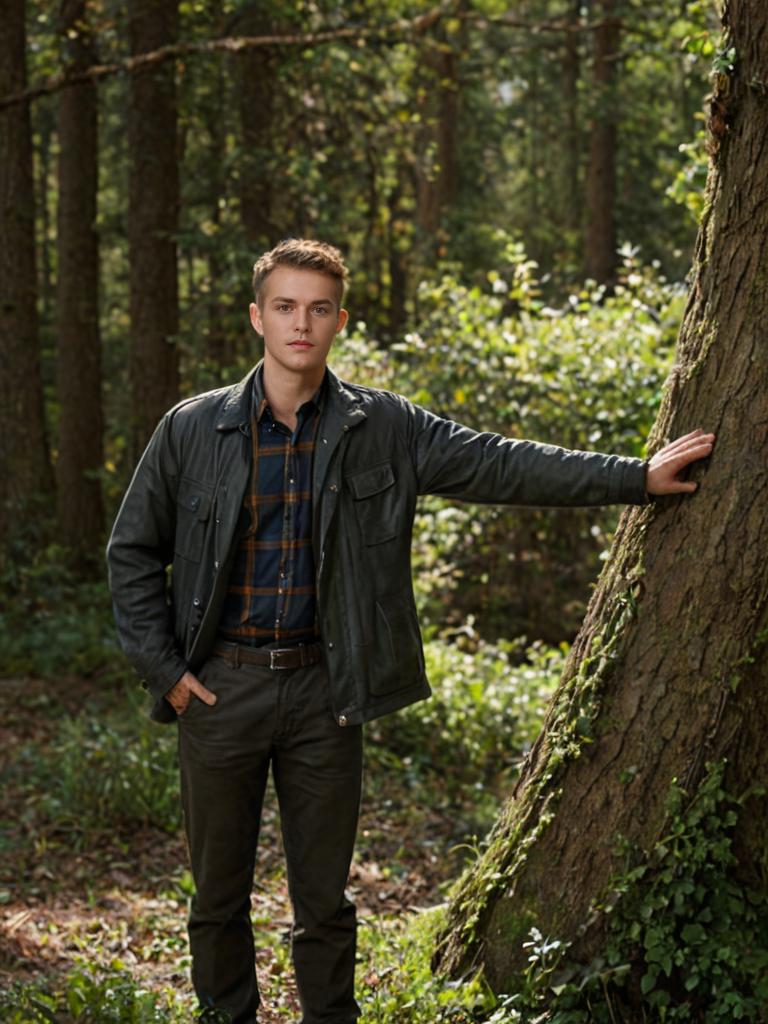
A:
x: 283, y: 718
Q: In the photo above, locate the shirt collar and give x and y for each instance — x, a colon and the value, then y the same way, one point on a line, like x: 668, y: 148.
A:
x: 260, y: 399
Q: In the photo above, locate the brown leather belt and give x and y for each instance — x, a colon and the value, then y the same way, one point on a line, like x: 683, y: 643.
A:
x: 280, y: 657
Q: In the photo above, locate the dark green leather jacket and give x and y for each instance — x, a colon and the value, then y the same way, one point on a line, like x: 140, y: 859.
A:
x: 376, y: 452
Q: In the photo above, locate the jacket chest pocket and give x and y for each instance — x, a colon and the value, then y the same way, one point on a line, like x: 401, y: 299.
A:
x: 193, y: 508
x: 376, y: 504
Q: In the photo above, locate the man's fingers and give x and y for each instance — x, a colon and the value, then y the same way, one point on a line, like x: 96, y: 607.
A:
x: 687, y: 441
x: 680, y: 459
x: 206, y: 696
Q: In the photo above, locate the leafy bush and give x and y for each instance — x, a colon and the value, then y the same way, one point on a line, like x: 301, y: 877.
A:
x: 485, y: 712
x: 587, y: 376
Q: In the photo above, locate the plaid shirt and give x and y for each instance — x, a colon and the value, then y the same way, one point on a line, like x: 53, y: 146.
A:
x: 271, y: 592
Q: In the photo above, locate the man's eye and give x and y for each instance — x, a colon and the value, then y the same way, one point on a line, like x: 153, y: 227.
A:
x: 321, y: 310
x: 283, y: 308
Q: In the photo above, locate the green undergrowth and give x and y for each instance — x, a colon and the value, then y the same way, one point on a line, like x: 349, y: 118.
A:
x: 116, y: 771
x: 485, y: 711
x: 53, y: 622
x: 686, y: 940
x: 91, y: 997
x: 111, y: 772
x: 396, y: 983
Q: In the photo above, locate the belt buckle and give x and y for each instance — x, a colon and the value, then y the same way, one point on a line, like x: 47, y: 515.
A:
x: 272, y: 660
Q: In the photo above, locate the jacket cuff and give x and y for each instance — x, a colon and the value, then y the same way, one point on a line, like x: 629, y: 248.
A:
x: 164, y: 679
x: 629, y: 482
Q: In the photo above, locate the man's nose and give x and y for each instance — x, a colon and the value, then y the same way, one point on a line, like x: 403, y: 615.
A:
x: 301, y: 322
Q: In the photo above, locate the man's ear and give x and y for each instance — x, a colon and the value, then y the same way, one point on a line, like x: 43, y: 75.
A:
x: 255, y: 314
x: 341, y: 323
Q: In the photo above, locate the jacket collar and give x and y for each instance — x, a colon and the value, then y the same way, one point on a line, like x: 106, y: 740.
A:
x: 236, y: 411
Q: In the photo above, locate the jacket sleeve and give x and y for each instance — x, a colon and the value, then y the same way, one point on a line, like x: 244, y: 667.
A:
x: 456, y: 462
x: 138, y: 553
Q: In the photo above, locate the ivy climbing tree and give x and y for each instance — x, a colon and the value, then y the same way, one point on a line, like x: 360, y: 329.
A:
x: 656, y: 734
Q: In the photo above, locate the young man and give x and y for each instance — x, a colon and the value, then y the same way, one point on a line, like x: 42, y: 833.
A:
x: 285, y: 504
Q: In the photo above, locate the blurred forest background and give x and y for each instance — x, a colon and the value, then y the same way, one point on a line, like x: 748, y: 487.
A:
x: 517, y: 189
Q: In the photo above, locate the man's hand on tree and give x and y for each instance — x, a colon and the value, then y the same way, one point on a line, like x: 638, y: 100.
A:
x: 188, y: 686
x: 666, y: 465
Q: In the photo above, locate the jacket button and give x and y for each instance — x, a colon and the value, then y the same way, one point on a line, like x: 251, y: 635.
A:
x: 342, y: 720
x: 330, y: 645
x: 215, y: 565
x: 196, y: 602
x: 333, y: 487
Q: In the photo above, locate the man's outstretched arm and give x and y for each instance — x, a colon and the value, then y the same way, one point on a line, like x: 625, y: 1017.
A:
x: 663, y: 474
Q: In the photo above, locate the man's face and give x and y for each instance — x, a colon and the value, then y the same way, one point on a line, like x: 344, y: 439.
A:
x: 298, y: 316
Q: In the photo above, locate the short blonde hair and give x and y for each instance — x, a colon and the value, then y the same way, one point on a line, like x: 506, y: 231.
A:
x: 305, y: 254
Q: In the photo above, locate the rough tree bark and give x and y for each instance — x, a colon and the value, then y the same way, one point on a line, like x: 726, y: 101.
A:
x: 600, y: 193
x: 78, y: 378
x: 152, y: 222
x: 24, y: 466
x: 669, y: 670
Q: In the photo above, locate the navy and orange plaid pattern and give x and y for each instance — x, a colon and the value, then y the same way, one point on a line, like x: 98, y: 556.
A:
x: 271, y: 593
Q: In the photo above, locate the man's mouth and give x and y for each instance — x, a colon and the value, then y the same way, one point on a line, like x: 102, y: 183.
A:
x: 300, y: 344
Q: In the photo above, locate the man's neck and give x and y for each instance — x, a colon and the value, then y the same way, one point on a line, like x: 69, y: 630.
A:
x: 286, y: 392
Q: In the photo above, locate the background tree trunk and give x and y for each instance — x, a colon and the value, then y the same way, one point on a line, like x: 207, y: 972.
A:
x: 669, y: 669
x: 437, y: 170
x: 571, y: 69
x: 153, y: 222
x: 24, y: 466
x: 600, y: 239
x: 257, y: 93
x: 79, y: 504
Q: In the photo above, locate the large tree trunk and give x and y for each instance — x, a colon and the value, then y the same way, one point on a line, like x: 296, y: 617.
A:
x: 600, y: 194
x: 257, y: 92
x: 79, y: 505
x: 24, y: 466
x: 669, y: 670
x: 153, y: 221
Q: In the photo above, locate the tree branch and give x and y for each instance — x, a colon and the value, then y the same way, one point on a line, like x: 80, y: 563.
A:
x: 231, y: 44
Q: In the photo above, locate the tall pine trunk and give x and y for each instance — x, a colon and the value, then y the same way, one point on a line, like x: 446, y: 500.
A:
x: 153, y: 221
x: 600, y: 190
x: 257, y: 92
x: 79, y: 504
x: 669, y: 671
x: 24, y: 466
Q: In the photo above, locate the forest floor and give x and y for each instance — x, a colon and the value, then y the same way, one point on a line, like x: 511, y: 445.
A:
x: 74, y: 900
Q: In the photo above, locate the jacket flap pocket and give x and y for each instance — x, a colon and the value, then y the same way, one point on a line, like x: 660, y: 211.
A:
x: 194, y: 499
x: 368, y: 482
